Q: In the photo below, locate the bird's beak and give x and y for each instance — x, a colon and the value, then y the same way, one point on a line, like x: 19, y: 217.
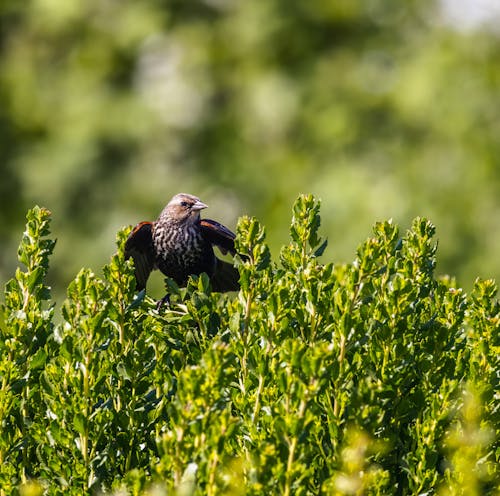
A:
x: 198, y: 206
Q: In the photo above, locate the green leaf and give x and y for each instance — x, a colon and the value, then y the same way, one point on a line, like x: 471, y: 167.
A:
x: 38, y: 360
x: 79, y: 423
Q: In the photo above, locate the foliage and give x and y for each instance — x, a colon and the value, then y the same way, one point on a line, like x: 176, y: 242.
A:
x: 368, y: 378
x: 383, y: 109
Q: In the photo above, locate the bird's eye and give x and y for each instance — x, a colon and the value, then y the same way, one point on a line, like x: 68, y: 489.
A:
x: 184, y: 204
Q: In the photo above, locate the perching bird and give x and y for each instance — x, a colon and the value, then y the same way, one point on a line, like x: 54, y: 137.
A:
x: 179, y: 243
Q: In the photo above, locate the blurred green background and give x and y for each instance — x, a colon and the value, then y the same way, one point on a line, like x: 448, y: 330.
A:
x: 383, y: 109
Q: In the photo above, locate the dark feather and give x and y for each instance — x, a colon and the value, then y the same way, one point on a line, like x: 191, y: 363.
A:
x: 226, y: 277
x: 218, y: 235
x: 139, y: 246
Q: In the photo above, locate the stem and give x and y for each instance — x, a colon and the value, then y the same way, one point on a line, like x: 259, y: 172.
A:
x: 24, y: 414
x: 121, y: 332
x: 343, y: 341
x: 212, y: 488
x: 313, y: 325
x: 244, y: 333
x: 291, y: 451
x: 336, y: 405
x: 248, y: 308
x: 84, y: 437
x: 128, y: 458
x: 257, y: 400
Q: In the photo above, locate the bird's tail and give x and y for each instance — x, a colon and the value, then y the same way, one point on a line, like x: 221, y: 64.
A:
x: 226, y: 277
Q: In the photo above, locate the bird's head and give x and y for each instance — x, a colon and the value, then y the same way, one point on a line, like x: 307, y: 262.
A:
x: 184, y: 208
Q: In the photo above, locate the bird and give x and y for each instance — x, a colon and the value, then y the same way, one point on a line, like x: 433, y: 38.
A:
x: 180, y: 244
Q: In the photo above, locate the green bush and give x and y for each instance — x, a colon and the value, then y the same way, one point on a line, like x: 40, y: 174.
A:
x: 368, y: 378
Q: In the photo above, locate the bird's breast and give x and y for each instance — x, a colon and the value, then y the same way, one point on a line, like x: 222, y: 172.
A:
x: 182, y: 251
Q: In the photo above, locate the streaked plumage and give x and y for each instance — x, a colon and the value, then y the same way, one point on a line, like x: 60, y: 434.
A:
x: 179, y: 243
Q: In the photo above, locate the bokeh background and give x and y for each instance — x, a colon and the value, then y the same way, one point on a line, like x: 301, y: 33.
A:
x: 383, y: 109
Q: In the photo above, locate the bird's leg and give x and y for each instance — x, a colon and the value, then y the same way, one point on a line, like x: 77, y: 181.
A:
x: 163, y: 301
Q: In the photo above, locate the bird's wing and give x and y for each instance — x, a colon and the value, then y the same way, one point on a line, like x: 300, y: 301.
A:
x: 226, y: 277
x: 139, y: 246
x: 218, y: 235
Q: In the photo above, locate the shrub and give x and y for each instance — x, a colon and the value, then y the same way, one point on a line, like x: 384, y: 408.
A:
x: 368, y: 378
